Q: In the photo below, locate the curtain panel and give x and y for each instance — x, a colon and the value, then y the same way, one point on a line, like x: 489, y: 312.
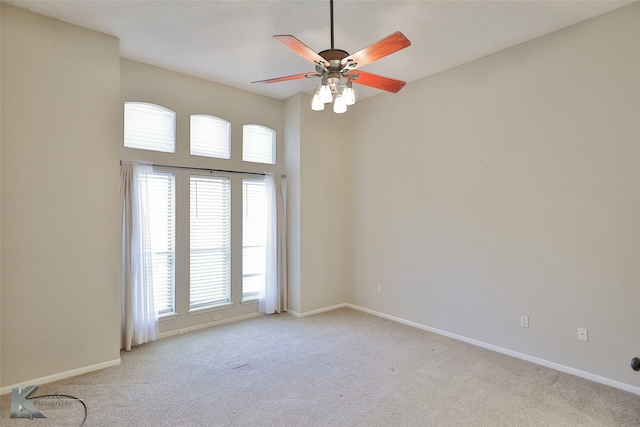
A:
x: 274, y: 297
x: 139, y: 317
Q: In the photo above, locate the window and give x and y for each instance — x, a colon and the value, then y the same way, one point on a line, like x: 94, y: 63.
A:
x: 210, y: 136
x: 254, y: 222
x: 149, y: 127
x: 162, y: 228
x: 191, y: 233
x: 258, y: 144
x: 210, y: 241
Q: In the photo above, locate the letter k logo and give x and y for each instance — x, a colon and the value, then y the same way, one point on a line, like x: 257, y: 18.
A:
x: 21, y: 407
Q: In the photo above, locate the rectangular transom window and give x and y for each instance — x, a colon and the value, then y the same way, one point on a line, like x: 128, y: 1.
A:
x: 254, y: 234
x: 149, y: 127
x: 209, y: 283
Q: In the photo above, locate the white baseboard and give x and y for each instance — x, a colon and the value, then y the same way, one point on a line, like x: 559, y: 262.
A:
x: 61, y: 376
x: 320, y: 310
x: 207, y: 325
x: 528, y: 358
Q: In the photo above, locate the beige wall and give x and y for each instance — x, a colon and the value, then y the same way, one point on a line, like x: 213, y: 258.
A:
x: 316, y: 160
x: 0, y: 197
x: 61, y: 127
x: 506, y: 187
x: 186, y: 96
x: 325, y: 195
x: 293, y: 111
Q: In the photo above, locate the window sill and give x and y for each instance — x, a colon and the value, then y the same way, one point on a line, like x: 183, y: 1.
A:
x: 250, y: 301
x: 167, y: 316
x: 201, y: 310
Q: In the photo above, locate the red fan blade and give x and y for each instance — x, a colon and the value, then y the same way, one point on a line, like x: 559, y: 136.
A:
x: 377, y: 50
x: 301, y: 49
x: 379, y: 82
x: 287, y: 78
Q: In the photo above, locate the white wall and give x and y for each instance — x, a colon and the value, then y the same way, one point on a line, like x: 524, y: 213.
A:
x: 188, y: 95
x: 61, y: 127
x: 509, y: 186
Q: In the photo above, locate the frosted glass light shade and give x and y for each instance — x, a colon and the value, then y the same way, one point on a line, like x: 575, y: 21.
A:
x: 349, y: 95
x: 316, y: 102
x: 325, y: 94
x: 340, y: 105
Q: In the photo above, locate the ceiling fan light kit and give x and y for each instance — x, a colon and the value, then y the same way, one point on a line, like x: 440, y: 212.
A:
x: 333, y: 90
x: 337, y: 69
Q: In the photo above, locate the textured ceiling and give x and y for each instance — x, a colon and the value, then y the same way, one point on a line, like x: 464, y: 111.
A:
x: 230, y: 42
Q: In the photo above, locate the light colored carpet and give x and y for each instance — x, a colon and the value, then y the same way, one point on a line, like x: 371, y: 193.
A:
x: 341, y: 368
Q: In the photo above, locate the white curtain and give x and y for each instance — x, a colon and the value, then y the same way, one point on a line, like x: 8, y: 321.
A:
x: 139, y: 317
x: 274, y: 297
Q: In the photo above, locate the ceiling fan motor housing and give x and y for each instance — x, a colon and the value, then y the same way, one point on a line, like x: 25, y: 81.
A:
x: 334, y: 54
x: 334, y: 57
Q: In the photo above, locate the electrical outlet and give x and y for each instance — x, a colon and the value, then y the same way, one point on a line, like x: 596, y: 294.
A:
x: 583, y: 334
x: 217, y: 317
x: 524, y: 321
x: 379, y: 289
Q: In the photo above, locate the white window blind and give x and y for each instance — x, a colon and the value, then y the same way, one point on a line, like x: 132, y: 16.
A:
x: 162, y: 228
x: 149, y: 127
x: 254, y: 234
x: 258, y: 144
x: 210, y: 136
x: 209, y: 283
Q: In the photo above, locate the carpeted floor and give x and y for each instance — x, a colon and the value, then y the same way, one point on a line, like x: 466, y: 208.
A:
x: 341, y: 368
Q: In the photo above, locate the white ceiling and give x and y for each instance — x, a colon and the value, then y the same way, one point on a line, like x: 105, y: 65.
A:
x: 230, y: 42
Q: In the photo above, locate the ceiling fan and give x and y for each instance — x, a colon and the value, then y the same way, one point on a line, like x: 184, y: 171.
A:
x: 335, y: 65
